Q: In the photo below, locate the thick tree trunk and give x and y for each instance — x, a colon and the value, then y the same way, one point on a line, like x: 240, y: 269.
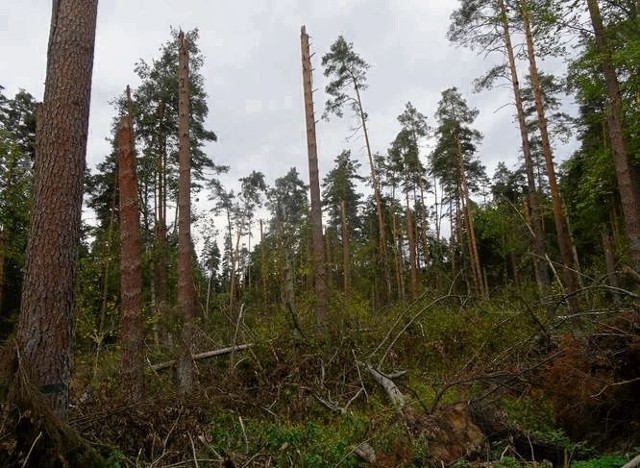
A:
x: 131, y: 324
x: 539, y: 263
x: 186, y: 291
x: 317, y: 244
x: 46, y: 318
x: 564, y: 240
x: 626, y: 172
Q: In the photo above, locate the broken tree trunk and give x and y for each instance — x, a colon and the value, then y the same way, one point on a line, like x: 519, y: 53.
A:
x: 205, y: 355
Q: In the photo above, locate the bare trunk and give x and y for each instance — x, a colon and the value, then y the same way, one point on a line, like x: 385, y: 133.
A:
x: 471, y: 232
x: 317, y: 244
x: 235, y: 253
x: 378, y: 197
x: 412, y: 252
x: 48, y: 294
x: 161, y: 216
x: 564, y: 241
x: 263, y: 257
x: 346, y: 262
x: 131, y: 325
x: 186, y: 292
x: 397, y: 255
x: 537, y: 244
x: 626, y: 172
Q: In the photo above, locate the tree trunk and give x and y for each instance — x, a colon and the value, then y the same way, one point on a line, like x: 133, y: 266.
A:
x: 186, y: 292
x: 626, y: 172
x: 317, y: 244
x: 539, y: 263
x: 346, y: 261
x: 161, y: 267
x: 378, y: 197
x: 397, y: 255
x: 564, y: 241
x: 233, y: 280
x: 263, y: 266
x: 412, y: 252
x: 610, y: 260
x: 48, y: 294
x: 471, y: 232
x: 131, y: 324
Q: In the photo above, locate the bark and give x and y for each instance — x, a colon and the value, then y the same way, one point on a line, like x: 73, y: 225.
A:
x: 46, y: 318
x: 131, y: 324
x: 317, y: 244
x: 346, y: 262
x: 537, y: 244
x: 186, y: 291
x: 564, y: 241
x: 626, y: 172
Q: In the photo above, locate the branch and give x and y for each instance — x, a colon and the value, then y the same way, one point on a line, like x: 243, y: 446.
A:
x: 633, y: 463
x: 394, y: 394
x: 205, y: 355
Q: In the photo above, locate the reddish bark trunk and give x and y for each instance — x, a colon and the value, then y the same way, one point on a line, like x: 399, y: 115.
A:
x: 131, y: 324
x: 46, y: 319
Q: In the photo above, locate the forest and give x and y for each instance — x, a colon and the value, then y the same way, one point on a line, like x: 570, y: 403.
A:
x: 401, y: 308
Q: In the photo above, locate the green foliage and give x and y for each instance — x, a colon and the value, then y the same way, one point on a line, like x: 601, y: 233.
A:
x: 614, y: 460
x: 308, y: 444
x: 348, y: 73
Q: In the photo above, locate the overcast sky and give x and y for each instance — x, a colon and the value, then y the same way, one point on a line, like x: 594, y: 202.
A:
x: 253, y: 74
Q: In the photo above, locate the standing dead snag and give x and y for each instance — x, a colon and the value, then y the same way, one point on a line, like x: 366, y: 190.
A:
x: 48, y: 294
x: 317, y: 244
x: 131, y: 324
x: 186, y: 291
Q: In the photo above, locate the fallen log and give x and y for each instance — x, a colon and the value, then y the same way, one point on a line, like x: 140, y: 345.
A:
x: 205, y: 355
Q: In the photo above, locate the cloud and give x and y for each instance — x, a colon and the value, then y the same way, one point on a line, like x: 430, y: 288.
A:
x: 252, y: 71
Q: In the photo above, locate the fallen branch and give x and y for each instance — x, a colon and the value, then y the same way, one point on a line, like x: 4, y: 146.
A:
x: 208, y: 354
x: 633, y: 463
x: 394, y: 394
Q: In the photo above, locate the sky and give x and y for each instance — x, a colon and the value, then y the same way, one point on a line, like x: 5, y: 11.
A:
x: 253, y: 76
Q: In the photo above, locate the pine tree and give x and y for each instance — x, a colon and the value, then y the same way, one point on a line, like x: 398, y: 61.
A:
x: 46, y: 316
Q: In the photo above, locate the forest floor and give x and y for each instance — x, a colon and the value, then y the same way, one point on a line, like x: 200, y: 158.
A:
x: 451, y: 381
